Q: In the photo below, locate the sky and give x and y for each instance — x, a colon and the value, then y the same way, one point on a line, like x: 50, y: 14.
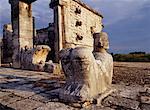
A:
x: 127, y: 22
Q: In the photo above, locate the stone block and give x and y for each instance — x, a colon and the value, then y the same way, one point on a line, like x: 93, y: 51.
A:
x: 10, y: 99
x: 40, y: 98
x: 121, y: 102
x: 49, y: 67
x: 103, y: 96
x: 35, y: 58
x: 145, y: 99
x: 145, y: 106
x: 23, y: 93
x: 130, y: 92
x: 59, y: 106
x: 2, y: 94
x: 25, y: 105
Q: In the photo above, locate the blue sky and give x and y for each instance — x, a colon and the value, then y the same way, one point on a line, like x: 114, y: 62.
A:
x: 126, y: 21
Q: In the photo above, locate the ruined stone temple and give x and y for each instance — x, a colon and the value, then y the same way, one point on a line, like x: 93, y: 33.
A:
x: 77, y: 29
x: 73, y: 26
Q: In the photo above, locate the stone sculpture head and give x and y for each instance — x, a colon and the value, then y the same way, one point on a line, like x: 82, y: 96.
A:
x: 101, y: 41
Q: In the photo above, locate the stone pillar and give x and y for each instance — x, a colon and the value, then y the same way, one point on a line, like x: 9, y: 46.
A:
x: 57, y: 7
x: 22, y: 25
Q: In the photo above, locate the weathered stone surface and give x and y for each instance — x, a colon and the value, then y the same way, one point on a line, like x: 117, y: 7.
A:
x: 130, y: 92
x: 41, y: 37
x: 11, y: 98
x: 24, y: 94
x: 78, y: 25
x: 54, y: 93
x: 100, y: 97
x: 148, y: 90
x: 4, y: 107
x: 49, y: 67
x: 87, y: 75
x: 40, y: 53
x: 25, y: 105
x: 43, y: 93
x: 121, y: 102
x: 8, y: 85
x: 75, y: 31
x: 145, y: 106
x: 59, y: 106
x: 22, y: 24
x: 34, y: 59
x: 7, y: 47
x: 40, y: 98
x: 2, y: 94
x: 145, y: 99
x: 99, y: 108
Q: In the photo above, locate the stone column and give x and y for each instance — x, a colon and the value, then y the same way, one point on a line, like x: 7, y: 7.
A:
x: 22, y: 25
x: 57, y: 6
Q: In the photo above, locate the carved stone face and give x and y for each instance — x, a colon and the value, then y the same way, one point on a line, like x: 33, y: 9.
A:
x: 101, y: 40
x: 104, y: 40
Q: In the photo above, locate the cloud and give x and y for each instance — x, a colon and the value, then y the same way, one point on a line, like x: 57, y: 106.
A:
x: 5, y: 16
x: 126, y: 21
x: 115, y: 10
x: 42, y: 13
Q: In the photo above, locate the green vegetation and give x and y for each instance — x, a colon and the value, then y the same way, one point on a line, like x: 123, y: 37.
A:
x: 132, y: 57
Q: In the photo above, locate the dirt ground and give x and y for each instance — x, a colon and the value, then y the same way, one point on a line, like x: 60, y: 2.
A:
x: 131, y: 73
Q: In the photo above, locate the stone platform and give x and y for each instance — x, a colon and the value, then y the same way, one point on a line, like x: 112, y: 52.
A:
x: 28, y: 90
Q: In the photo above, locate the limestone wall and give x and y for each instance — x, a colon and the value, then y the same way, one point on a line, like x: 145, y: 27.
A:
x: 74, y: 23
x: 22, y: 24
x: 25, y: 25
x: 41, y: 36
x: 45, y: 36
x: 78, y: 24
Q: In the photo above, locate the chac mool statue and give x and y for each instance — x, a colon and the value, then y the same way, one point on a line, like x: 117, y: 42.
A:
x: 88, y: 74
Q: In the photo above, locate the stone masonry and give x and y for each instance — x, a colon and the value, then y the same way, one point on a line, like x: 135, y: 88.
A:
x: 74, y: 25
x: 29, y: 90
x: 22, y: 25
x: 34, y: 59
x: 43, y: 36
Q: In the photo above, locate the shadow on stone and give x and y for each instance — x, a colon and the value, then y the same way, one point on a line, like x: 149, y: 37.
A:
x: 2, y: 107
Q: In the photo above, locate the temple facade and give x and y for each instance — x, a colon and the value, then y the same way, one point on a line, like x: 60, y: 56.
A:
x: 73, y: 26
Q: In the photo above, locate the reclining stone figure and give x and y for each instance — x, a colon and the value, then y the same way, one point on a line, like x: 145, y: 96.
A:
x: 88, y: 74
